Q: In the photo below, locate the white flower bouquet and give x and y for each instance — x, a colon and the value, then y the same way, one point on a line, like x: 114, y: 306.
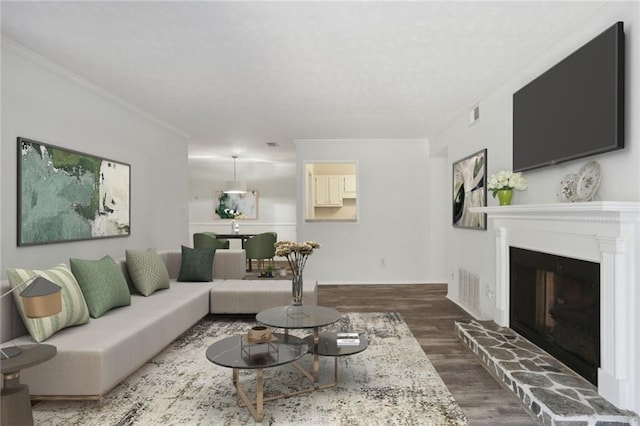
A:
x: 296, y: 253
x: 506, y: 180
x: 231, y: 214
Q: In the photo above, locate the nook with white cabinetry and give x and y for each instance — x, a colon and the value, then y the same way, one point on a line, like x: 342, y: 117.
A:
x: 331, y: 191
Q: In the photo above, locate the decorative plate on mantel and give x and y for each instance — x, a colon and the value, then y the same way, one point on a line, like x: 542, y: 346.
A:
x: 567, y: 192
x: 581, y: 186
x: 588, y: 181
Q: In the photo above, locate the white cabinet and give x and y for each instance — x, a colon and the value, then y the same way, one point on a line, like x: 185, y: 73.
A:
x: 328, y: 191
x: 349, y: 186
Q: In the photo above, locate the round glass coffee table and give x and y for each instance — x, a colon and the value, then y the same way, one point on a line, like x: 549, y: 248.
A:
x: 236, y: 353
x: 327, y: 345
x: 301, y: 317
x: 291, y: 317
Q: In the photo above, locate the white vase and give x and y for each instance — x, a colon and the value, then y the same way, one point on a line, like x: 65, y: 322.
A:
x: 235, y: 226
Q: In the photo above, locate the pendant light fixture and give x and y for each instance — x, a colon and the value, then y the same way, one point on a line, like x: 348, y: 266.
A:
x: 235, y: 186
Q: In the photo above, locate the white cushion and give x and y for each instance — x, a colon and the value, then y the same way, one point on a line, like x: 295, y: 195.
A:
x: 253, y: 296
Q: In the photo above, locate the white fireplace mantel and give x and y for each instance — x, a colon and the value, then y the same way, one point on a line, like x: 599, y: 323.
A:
x: 604, y: 232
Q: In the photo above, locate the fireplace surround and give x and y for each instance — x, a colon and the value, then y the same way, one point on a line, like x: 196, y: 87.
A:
x: 607, y: 233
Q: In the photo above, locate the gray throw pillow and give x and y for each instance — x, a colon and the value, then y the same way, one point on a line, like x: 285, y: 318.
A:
x: 147, y: 271
x: 102, y: 284
x: 197, y: 264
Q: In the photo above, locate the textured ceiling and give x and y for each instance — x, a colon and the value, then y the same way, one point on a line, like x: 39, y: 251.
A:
x: 235, y: 75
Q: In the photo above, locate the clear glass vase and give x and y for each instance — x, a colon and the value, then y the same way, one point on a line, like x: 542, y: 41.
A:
x: 296, y: 290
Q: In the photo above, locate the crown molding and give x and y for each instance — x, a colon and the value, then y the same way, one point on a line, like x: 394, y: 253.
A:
x: 37, y: 59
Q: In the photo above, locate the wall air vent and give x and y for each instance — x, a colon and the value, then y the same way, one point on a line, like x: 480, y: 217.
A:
x: 469, y: 290
x: 474, y: 115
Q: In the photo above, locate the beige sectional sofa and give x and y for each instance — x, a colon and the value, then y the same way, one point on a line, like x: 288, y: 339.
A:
x: 93, y: 358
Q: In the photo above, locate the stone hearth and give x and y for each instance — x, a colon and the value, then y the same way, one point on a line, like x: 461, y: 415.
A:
x: 553, y: 393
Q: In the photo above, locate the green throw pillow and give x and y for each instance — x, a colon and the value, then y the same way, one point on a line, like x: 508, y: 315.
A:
x: 74, y: 308
x: 147, y: 271
x: 102, y: 284
x: 197, y: 264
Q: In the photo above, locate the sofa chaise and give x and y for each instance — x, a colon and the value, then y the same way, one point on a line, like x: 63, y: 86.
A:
x: 95, y: 357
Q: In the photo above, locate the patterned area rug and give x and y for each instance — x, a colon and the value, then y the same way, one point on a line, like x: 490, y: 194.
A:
x: 391, y: 383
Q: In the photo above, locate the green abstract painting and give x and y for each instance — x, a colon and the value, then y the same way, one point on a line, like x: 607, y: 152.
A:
x: 65, y: 195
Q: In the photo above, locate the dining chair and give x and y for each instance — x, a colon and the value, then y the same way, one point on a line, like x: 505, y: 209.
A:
x: 262, y: 247
x: 209, y: 239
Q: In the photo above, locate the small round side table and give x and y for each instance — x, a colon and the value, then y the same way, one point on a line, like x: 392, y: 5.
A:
x: 14, y: 399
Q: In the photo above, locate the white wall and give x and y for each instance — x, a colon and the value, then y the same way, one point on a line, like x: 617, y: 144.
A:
x: 475, y: 250
x: 42, y: 102
x: 394, y: 196
x: 276, y: 186
x: 439, y: 217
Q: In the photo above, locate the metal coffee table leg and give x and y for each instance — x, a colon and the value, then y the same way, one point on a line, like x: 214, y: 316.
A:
x: 257, y: 410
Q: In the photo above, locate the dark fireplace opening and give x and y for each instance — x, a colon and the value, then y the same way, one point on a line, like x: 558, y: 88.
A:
x: 555, y: 303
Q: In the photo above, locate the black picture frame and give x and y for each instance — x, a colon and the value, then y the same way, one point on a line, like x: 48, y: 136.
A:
x: 469, y: 186
x: 65, y: 195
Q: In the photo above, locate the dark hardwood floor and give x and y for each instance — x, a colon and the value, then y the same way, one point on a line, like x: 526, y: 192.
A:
x: 431, y: 316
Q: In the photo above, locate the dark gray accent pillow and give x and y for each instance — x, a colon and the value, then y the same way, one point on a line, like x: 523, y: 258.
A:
x: 197, y: 264
x: 102, y: 284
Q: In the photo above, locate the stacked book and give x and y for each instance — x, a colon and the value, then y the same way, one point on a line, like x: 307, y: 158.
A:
x: 347, y: 339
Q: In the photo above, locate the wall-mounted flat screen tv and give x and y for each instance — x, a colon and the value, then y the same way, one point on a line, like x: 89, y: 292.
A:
x: 575, y: 109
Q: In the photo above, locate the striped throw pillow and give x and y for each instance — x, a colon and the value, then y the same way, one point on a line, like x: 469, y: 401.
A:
x: 74, y: 308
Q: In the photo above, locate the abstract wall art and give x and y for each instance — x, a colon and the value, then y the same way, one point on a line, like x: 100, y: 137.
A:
x: 470, y: 190
x: 245, y: 206
x: 65, y: 195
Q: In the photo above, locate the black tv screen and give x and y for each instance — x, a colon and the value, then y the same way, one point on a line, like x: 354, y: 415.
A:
x: 575, y: 109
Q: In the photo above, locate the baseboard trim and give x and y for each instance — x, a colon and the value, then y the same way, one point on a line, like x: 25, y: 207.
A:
x: 475, y: 315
